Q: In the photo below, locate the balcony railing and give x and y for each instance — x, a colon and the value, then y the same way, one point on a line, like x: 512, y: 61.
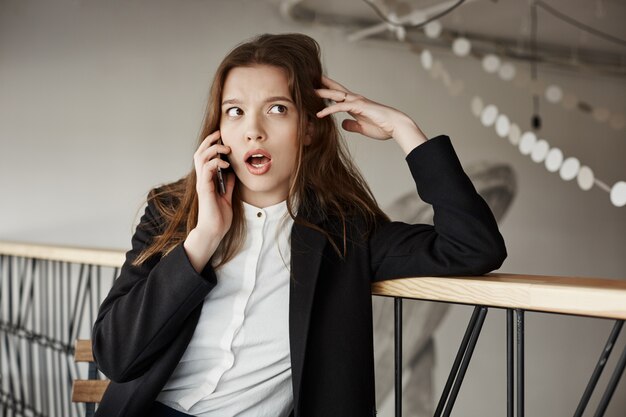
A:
x: 590, y: 297
x: 49, y: 296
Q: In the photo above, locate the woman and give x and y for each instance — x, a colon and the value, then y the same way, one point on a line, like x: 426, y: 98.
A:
x: 255, y: 299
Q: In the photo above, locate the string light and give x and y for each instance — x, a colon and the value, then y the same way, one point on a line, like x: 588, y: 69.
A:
x: 618, y: 194
x: 554, y: 160
x: 491, y: 63
x: 569, y: 168
x: 397, y: 16
x: 554, y: 94
x: 539, y: 150
x: 461, y: 47
x: 585, y: 178
x: 527, y: 142
x: 507, y: 71
x: 489, y: 115
x: 503, y: 125
x: 515, y: 134
x: 433, y: 29
x: 426, y: 58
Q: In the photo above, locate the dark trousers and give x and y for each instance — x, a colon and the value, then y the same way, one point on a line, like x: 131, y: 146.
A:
x: 161, y: 410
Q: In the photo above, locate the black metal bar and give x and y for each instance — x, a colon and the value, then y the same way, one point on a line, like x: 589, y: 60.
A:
x: 510, y: 385
x: 397, y: 303
x: 90, y: 409
x: 466, y: 360
x: 2, y: 351
x: 610, y: 389
x: 82, y: 293
x: 77, y: 298
x: 457, y: 362
x: 597, y: 372
x: 92, y: 374
x: 45, y: 332
x: 31, y: 346
x: 520, y: 362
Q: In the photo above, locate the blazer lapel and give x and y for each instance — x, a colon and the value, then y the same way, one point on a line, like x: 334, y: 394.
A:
x: 307, y: 247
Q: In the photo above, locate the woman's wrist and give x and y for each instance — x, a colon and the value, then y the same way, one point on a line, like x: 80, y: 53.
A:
x: 408, y: 135
x: 200, y: 247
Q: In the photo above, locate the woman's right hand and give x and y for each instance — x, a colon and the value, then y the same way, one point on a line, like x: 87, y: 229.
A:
x: 215, y: 213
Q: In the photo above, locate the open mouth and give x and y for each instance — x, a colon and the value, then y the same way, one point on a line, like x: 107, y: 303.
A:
x: 258, y: 161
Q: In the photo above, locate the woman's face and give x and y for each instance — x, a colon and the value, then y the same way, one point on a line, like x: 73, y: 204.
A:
x: 260, y: 124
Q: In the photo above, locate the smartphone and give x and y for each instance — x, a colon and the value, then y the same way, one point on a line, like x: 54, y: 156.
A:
x: 221, y: 184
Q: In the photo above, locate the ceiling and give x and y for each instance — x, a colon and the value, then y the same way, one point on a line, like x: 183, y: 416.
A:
x: 503, y: 25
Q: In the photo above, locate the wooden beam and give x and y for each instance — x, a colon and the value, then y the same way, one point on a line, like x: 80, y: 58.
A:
x: 88, y: 391
x: 83, y: 351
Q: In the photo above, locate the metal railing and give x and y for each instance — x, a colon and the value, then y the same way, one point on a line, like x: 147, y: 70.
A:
x: 49, y: 296
x: 590, y: 297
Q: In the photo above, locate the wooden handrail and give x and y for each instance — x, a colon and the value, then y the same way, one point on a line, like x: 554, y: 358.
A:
x: 92, y: 256
x: 594, y: 297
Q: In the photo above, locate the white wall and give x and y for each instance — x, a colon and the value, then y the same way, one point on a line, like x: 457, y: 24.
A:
x: 99, y: 101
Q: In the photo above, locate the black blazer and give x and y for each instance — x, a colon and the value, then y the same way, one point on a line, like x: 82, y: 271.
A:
x: 145, y: 323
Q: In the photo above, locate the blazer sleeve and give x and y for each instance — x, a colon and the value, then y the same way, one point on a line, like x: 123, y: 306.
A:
x: 146, y: 306
x: 464, y: 239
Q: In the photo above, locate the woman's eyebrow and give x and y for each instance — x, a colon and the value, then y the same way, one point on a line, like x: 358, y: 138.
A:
x: 267, y: 100
x: 279, y: 98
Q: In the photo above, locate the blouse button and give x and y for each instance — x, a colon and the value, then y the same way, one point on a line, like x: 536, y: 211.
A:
x: 259, y: 214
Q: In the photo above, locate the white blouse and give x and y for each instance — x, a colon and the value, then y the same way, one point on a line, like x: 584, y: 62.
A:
x: 238, y: 360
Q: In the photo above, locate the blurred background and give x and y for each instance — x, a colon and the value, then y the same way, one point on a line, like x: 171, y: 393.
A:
x: 101, y: 101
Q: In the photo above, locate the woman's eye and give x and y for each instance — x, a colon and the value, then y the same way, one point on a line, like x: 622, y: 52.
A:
x: 278, y: 108
x: 234, y: 111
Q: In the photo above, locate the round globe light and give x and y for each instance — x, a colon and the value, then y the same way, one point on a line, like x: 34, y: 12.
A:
x: 554, y: 94
x: 503, y: 125
x: 527, y: 143
x: 514, y: 134
x: 491, y: 63
x: 489, y: 115
x: 569, y: 169
x: 507, y: 71
x: 540, y: 151
x: 618, y: 194
x: 554, y: 160
x: 461, y: 47
x: 433, y: 29
x: 585, y: 178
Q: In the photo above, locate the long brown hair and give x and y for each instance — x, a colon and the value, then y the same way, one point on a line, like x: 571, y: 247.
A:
x: 325, y: 180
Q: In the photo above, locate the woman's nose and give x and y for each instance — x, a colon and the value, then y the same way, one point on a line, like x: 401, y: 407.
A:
x: 255, y: 129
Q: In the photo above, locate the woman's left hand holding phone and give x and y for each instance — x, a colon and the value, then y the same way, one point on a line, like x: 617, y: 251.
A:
x: 215, y: 213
